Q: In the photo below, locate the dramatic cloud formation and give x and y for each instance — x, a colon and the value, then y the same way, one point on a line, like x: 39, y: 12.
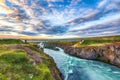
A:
x: 60, y: 18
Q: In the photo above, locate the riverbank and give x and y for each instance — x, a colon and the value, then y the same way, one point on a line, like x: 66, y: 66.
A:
x: 26, y: 61
x: 106, y: 52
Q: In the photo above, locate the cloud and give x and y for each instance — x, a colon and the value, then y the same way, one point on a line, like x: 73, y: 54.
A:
x: 104, y: 20
x: 62, y: 18
x: 102, y: 3
x: 55, y: 0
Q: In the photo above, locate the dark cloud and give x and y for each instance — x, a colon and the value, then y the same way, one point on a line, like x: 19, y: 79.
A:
x: 57, y: 30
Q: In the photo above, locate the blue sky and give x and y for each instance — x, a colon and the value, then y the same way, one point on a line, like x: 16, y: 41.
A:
x: 60, y: 18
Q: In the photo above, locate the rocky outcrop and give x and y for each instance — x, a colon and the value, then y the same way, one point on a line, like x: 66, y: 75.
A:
x: 109, y: 53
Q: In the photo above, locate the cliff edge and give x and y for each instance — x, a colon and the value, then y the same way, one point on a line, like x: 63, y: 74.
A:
x: 108, y: 53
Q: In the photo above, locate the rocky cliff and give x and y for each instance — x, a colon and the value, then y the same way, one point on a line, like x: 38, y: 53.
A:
x: 109, y: 53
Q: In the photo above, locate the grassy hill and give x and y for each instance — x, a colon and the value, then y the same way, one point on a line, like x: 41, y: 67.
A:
x: 16, y: 65
x: 24, y: 62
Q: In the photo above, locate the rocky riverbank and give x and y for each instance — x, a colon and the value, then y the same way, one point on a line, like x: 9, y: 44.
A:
x: 109, y: 53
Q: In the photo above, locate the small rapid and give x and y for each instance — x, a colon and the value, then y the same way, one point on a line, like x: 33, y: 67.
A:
x: 74, y: 68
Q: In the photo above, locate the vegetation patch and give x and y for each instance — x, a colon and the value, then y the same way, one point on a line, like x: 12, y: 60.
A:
x: 82, y: 43
x: 16, y: 65
x: 10, y: 41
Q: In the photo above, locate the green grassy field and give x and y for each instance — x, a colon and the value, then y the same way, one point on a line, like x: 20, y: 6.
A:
x: 16, y: 65
x: 10, y: 41
x: 94, y: 41
x: 96, y: 38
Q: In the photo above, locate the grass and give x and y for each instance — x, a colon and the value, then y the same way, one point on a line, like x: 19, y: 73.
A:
x: 10, y: 41
x: 96, y: 41
x: 16, y: 65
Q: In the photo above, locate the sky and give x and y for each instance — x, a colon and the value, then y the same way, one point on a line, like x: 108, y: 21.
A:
x: 60, y: 18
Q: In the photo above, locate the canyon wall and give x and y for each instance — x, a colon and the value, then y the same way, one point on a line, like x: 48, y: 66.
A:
x: 109, y: 53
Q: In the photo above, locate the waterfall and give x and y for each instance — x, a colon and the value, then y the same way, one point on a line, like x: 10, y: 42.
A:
x: 41, y: 44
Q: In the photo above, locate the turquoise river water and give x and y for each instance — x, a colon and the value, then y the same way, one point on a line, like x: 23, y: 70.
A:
x: 74, y: 68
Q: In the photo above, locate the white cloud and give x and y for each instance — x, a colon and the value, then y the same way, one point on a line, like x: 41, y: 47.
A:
x: 104, y: 20
x: 55, y: 0
x: 102, y: 3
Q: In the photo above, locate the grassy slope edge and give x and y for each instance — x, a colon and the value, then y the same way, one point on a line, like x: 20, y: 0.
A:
x: 15, y: 64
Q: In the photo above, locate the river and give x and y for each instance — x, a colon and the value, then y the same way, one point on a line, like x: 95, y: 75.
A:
x: 74, y: 68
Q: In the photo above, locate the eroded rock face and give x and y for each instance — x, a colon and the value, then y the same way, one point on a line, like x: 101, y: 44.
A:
x: 107, y: 53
